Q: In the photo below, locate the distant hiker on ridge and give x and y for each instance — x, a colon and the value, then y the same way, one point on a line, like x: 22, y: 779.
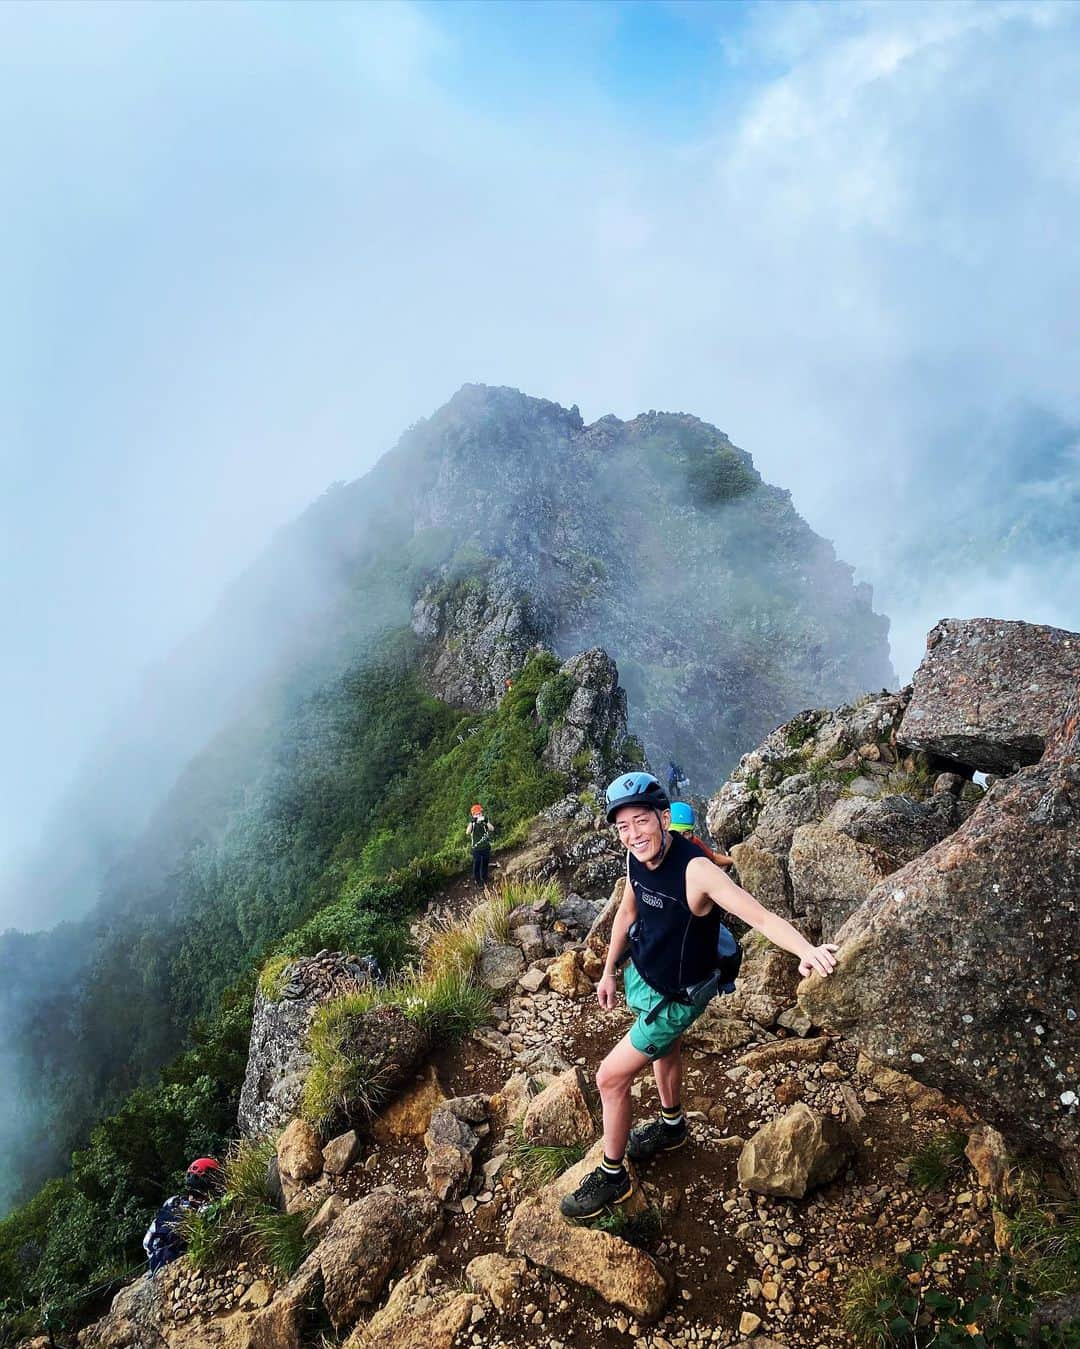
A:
x: 669, y: 925
x: 165, y: 1240
x: 480, y: 831
x: 674, y: 778
x: 682, y: 822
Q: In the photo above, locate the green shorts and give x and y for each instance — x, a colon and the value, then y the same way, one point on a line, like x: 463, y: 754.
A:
x: 660, y: 1035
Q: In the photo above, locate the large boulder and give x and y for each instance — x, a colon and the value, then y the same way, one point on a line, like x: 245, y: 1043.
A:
x: 420, y: 1313
x: 560, y: 1116
x: 500, y: 966
x: 963, y: 967
x: 988, y: 693
x: 768, y: 978
x: 137, y: 1315
x: 375, y: 1237
x: 621, y: 1274
x: 831, y: 875
x: 279, y: 1060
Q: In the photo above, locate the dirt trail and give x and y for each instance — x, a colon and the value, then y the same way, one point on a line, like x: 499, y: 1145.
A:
x: 729, y: 1252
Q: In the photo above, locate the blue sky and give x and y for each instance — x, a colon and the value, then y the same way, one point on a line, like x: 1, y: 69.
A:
x: 244, y: 245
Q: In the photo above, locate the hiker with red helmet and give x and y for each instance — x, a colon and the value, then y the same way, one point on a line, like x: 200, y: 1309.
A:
x: 480, y: 831
x: 165, y: 1241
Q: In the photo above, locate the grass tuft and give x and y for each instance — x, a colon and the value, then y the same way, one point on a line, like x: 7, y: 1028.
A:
x: 539, y: 1163
x: 272, y: 977
x: 279, y: 1239
x: 870, y: 1297
x: 1046, y: 1242
x: 337, y: 1083
x: 639, y: 1229
x: 939, y: 1158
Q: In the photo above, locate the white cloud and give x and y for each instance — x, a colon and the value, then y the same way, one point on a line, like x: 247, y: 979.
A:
x: 253, y: 243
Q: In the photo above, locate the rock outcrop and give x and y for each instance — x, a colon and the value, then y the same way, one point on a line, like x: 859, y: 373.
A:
x: 793, y: 1154
x: 616, y: 1271
x: 476, y: 638
x: 422, y: 1312
x: 830, y: 803
x: 989, y: 693
x: 279, y: 1057
x: 963, y: 968
x: 588, y: 740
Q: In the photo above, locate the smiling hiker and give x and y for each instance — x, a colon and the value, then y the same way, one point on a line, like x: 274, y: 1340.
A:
x: 480, y: 831
x: 669, y: 925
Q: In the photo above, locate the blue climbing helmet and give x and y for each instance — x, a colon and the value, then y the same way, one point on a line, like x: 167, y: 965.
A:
x: 682, y: 818
x: 634, y: 789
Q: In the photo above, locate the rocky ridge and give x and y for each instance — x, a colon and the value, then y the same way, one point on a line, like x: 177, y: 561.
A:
x: 801, y: 1172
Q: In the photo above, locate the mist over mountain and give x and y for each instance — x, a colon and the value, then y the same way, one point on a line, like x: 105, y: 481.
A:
x: 222, y: 804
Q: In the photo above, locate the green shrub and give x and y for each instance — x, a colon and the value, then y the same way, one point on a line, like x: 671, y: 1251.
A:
x: 338, y: 1083
x: 870, y: 1300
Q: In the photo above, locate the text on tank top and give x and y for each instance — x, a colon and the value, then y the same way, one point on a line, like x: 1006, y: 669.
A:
x: 672, y: 948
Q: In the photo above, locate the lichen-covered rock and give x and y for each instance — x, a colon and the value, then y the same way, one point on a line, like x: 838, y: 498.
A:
x: 764, y: 875
x: 831, y: 875
x: 792, y: 1155
x: 279, y: 1054
x: 988, y: 692
x: 500, y: 966
x: 961, y: 968
x: 279, y: 1060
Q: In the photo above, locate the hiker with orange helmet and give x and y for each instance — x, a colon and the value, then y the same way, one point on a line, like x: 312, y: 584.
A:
x: 480, y: 831
x: 165, y: 1241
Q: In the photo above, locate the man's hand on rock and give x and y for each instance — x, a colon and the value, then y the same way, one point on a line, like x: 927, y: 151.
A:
x: 606, y: 992
x: 818, y: 960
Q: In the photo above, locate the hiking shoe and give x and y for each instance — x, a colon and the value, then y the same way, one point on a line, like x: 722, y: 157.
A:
x: 596, y: 1192
x: 646, y: 1140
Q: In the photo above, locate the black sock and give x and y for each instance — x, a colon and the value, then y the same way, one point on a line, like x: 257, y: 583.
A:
x: 672, y: 1115
x: 613, y: 1167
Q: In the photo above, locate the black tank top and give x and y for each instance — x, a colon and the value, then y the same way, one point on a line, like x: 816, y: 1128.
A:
x: 670, y: 947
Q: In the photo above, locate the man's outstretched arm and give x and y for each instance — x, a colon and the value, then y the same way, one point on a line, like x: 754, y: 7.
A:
x: 706, y: 881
